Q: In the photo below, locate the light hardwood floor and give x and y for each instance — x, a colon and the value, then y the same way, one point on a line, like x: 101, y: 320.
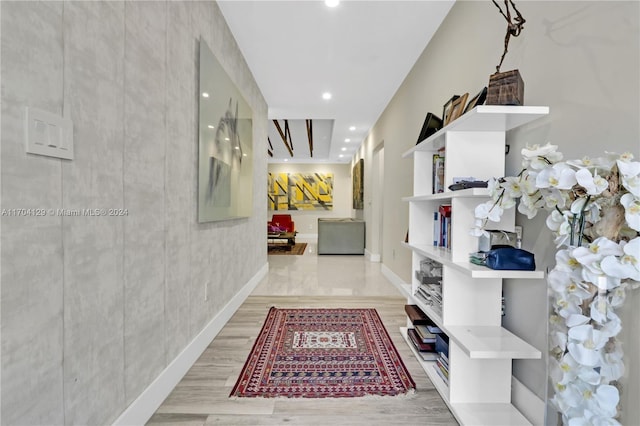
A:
x: 202, y: 397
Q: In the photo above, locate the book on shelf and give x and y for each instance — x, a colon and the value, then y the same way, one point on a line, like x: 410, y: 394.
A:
x: 438, y: 173
x: 424, y: 333
x: 444, y: 358
x: 428, y: 356
x: 416, y: 315
x: 419, y: 345
x: 445, y: 370
x: 442, y: 345
x: 442, y: 376
x: 444, y: 212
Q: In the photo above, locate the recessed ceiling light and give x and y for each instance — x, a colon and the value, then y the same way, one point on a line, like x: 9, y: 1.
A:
x: 210, y: 126
x: 347, y: 140
x: 340, y: 155
x: 332, y: 3
x: 286, y: 159
x: 326, y: 96
x: 344, y: 149
x: 352, y: 128
x: 226, y: 139
x: 205, y: 95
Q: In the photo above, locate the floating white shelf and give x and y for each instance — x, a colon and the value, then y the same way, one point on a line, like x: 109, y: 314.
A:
x: 443, y: 256
x: 484, y: 118
x: 475, y: 414
x: 491, y: 343
x: 478, y: 342
x: 448, y: 195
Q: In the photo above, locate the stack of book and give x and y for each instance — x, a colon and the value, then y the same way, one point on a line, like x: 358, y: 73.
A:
x: 442, y: 367
x: 444, y: 226
x: 423, y: 334
x: 431, y: 294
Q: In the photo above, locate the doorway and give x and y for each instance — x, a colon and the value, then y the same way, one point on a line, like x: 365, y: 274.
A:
x: 377, y: 202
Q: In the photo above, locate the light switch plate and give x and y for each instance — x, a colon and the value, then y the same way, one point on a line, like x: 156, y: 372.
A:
x: 48, y: 134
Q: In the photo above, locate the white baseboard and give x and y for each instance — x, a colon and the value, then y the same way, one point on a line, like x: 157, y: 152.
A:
x: 397, y: 282
x: 527, y: 402
x: 373, y: 257
x: 141, y: 410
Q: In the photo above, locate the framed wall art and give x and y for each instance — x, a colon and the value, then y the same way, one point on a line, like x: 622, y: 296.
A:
x: 432, y: 123
x: 457, y: 107
x: 300, y: 191
x: 225, y: 154
x: 476, y: 100
x: 358, y: 185
x: 446, y: 110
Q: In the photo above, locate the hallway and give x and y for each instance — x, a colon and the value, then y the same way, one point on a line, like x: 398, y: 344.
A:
x: 201, y: 398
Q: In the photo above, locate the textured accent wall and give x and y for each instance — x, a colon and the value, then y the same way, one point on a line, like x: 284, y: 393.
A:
x: 94, y: 308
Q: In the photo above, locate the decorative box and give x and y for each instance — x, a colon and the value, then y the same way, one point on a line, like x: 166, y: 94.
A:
x: 505, y: 88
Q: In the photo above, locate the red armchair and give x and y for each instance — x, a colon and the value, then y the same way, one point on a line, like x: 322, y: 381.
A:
x: 281, y: 223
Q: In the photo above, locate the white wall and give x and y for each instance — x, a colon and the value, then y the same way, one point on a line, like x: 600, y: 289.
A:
x: 579, y: 58
x: 94, y: 308
x: 307, y: 221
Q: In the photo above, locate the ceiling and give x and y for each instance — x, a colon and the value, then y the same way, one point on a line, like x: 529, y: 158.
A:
x: 359, y: 51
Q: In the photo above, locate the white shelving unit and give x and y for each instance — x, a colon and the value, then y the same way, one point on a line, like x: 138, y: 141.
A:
x: 480, y: 350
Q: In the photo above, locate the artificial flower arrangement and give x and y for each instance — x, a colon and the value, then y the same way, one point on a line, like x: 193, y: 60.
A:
x: 594, y: 213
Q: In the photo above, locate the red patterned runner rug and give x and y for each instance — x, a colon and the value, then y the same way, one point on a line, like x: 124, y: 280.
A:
x: 320, y: 353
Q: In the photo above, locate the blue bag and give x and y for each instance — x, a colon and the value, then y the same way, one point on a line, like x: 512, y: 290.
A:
x: 510, y: 258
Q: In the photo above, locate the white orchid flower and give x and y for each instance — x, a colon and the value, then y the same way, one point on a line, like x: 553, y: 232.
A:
x: 580, y: 207
x: 528, y: 182
x: 626, y: 265
x: 489, y: 210
x: 630, y: 173
x: 600, y: 163
x: 560, y: 224
x: 555, y: 198
x: 618, y: 295
x: 585, y: 344
x: 538, y: 157
x: 605, y: 400
x: 584, y: 162
x: 594, y: 184
x: 611, y: 364
x: 577, y: 319
x: 507, y: 202
x: 530, y: 206
x: 596, y: 251
x: 566, y: 287
x: 566, y: 261
x: 555, y: 220
x: 566, y: 306
x: 627, y: 156
x: 603, y: 313
x: 613, y: 327
x: 512, y: 186
x: 631, y: 206
x: 493, y: 185
x: 560, y: 176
